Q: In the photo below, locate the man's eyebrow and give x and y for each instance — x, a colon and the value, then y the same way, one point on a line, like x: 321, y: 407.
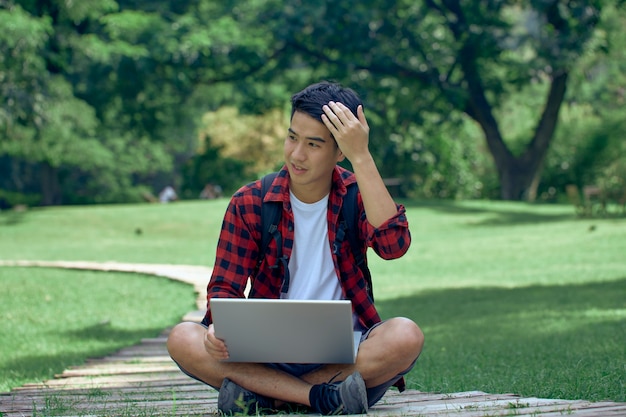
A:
x: 315, y: 138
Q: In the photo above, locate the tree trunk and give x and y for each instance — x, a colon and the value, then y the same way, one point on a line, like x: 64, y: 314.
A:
x: 517, y: 181
x: 50, y: 188
x: 519, y: 176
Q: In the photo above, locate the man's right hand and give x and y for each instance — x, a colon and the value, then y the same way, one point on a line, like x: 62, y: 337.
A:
x: 214, y: 346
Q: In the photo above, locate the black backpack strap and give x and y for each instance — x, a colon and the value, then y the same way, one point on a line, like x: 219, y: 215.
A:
x: 270, y: 218
x: 348, y: 225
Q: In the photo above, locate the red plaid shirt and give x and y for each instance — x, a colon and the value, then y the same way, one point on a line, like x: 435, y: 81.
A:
x: 240, y: 240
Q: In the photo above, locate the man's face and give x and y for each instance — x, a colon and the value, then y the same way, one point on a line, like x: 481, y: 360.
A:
x: 310, y: 155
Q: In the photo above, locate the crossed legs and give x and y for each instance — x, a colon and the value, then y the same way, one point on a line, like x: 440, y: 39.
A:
x: 389, y: 350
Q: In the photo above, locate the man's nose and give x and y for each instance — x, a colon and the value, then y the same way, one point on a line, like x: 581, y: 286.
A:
x: 299, y: 151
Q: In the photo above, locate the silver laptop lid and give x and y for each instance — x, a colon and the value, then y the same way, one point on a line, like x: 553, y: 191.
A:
x: 285, y: 331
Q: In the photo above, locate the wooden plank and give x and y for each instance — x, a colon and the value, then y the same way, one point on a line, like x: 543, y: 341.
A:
x: 608, y: 411
x: 195, y: 391
x: 117, y: 370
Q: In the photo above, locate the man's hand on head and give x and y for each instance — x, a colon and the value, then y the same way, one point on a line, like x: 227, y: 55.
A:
x: 350, y: 132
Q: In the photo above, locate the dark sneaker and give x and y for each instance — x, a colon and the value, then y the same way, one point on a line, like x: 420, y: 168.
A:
x: 347, y: 397
x: 233, y: 399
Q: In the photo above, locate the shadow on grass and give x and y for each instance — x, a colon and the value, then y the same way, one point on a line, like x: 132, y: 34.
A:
x: 104, y: 331
x: 468, y: 304
x: 12, y: 217
x: 546, y: 341
x: 91, y: 342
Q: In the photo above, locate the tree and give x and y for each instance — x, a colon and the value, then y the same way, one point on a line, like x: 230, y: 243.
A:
x: 456, y: 57
x: 588, y: 148
x: 117, y: 83
x: 46, y: 121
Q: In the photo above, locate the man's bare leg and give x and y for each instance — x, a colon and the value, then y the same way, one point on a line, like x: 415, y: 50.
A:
x: 186, y: 347
x: 389, y: 350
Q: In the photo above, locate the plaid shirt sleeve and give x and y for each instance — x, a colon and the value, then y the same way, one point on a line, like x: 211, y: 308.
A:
x: 392, y: 239
x: 237, y: 247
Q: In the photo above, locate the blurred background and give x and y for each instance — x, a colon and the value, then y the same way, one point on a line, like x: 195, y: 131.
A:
x: 106, y: 101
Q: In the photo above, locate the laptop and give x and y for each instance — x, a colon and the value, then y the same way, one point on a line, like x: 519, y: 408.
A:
x: 286, y: 331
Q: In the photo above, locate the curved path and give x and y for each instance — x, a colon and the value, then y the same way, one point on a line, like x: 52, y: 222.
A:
x: 142, y: 380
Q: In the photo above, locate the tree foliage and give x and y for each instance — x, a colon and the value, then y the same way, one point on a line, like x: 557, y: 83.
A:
x: 259, y: 138
x: 104, y: 100
x: 453, y: 58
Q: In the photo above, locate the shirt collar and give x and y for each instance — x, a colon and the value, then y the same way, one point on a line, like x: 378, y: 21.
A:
x: 279, y: 190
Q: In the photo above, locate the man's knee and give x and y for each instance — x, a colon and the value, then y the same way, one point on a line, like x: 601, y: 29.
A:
x: 181, y: 337
x: 408, y: 335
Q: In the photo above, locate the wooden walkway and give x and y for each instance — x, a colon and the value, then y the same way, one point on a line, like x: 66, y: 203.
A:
x: 143, y: 381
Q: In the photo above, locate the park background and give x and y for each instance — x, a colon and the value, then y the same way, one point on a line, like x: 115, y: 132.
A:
x: 112, y: 101
x: 481, y: 113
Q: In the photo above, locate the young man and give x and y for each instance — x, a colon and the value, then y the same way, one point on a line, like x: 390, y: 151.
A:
x: 327, y: 125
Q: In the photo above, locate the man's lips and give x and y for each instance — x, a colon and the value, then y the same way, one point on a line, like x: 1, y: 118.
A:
x: 297, y: 169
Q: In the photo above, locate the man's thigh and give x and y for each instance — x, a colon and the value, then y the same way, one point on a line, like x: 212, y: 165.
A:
x: 294, y: 369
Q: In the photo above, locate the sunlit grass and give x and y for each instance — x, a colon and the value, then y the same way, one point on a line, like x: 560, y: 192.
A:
x: 182, y: 233
x: 475, y: 244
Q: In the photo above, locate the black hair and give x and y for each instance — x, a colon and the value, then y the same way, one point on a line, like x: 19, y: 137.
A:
x: 312, y: 98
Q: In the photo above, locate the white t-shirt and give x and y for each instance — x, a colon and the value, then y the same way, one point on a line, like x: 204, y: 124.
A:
x: 311, y: 268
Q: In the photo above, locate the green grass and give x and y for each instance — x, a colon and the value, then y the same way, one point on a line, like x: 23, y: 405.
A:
x: 543, y: 341
x: 52, y: 319
x: 182, y: 233
x: 512, y: 297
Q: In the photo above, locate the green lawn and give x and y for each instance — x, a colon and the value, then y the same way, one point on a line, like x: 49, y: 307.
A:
x: 52, y: 318
x: 511, y: 297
